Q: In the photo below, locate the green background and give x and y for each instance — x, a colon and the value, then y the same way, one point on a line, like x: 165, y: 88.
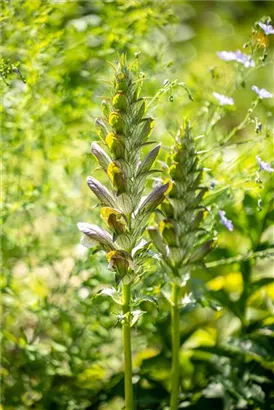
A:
x: 60, y: 347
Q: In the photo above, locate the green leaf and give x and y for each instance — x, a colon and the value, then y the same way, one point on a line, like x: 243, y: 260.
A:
x: 110, y: 292
x: 135, y: 316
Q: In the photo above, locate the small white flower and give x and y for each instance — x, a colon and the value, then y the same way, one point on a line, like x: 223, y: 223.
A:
x: 267, y: 28
x: 83, y: 293
x: 238, y: 56
x: 88, y: 242
x: 223, y: 99
x: 262, y: 92
x: 187, y: 299
x: 264, y: 165
x: 226, y: 222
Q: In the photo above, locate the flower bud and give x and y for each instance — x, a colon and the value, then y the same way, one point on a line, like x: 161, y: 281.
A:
x: 102, y: 130
x: 102, y: 193
x: 116, y: 121
x: 121, y: 84
x: 97, y: 234
x: 105, y: 108
x: 117, y: 177
x: 101, y: 156
x: 119, y: 101
x: 118, y: 260
x: 115, y: 219
x: 116, y: 145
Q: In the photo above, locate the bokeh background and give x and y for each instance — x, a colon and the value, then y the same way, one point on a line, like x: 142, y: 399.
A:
x: 61, y: 348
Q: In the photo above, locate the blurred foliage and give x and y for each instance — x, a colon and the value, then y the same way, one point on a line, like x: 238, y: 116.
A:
x: 61, y: 348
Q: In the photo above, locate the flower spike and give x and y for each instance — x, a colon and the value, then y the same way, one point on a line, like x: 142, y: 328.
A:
x: 124, y: 131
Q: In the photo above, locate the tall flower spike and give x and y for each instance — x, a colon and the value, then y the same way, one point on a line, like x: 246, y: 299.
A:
x: 180, y: 238
x: 124, y: 132
x: 180, y: 234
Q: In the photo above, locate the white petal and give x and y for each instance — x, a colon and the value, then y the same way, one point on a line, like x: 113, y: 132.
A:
x: 87, y: 242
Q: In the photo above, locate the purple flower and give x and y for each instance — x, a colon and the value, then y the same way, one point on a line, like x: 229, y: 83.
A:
x: 264, y: 165
x: 267, y: 28
x: 223, y: 99
x: 226, y: 222
x: 238, y: 56
x: 262, y: 92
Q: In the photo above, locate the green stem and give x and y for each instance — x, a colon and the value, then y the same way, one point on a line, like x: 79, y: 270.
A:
x: 175, y: 331
x: 127, y: 348
x: 243, y: 123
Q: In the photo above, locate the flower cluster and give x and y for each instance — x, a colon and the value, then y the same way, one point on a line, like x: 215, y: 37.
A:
x: 124, y: 131
x: 180, y: 238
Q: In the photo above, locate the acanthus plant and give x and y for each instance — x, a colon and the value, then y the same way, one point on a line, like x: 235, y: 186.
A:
x: 180, y: 237
x: 124, y: 132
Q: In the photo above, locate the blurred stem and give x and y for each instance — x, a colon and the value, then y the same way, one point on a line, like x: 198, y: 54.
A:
x: 127, y: 347
x: 175, y: 332
x: 243, y: 123
x: 241, y: 258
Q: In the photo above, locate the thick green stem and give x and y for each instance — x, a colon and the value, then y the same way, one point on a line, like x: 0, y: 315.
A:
x: 175, y: 332
x: 127, y: 348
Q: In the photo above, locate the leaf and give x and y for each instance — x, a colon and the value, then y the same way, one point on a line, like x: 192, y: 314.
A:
x: 200, y: 252
x: 110, y: 292
x: 144, y: 130
x: 154, y: 199
x: 157, y: 240
x: 149, y: 299
x: 147, y: 163
x: 135, y: 316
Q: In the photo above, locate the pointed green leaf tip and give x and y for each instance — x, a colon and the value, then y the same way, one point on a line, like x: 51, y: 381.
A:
x: 149, y: 160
